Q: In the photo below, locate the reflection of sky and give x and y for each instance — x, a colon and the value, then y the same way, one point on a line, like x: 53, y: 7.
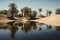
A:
x: 34, y: 4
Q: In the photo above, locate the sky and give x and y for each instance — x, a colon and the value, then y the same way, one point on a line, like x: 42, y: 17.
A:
x: 33, y: 4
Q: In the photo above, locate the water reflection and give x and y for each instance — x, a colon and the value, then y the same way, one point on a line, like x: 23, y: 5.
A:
x: 57, y: 28
x: 13, y: 29
x: 26, y: 27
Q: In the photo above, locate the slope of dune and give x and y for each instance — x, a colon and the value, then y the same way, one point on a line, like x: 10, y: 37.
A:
x: 51, y: 20
x: 4, y: 19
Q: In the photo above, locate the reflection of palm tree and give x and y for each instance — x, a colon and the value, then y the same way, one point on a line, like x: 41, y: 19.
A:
x: 40, y: 26
x: 40, y: 29
x: 26, y: 28
x: 57, y: 28
x: 3, y: 26
x: 12, y: 11
x: 48, y: 27
x: 13, y: 29
x: 33, y: 25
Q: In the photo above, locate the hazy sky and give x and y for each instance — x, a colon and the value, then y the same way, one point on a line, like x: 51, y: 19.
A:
x: 34, y: 4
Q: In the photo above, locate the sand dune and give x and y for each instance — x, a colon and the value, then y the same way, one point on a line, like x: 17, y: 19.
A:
x: 51, y: 20
x: 5, y: 20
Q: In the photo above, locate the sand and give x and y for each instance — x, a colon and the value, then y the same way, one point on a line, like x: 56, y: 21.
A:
x: 4, y: 19
x: 51, y: 20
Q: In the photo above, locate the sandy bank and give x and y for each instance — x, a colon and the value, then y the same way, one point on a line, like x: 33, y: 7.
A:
x: 51, y: 20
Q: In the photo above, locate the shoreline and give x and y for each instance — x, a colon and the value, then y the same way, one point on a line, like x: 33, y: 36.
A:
x: 51, y: 20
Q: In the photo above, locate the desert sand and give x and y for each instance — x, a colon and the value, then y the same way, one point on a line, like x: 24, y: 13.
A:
x: 51, y: 20
x: 4, y: 19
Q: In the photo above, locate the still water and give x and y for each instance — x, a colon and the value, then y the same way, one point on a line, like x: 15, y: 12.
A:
x: 29, y: 31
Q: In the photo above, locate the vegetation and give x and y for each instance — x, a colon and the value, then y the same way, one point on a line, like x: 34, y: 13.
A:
x: 25, y: 12
x: 57, y: 11
x: 40, y: 10
x: 49, y: 13
x: 12, y: 10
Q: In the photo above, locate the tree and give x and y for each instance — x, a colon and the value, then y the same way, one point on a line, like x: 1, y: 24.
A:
x: 1, y: 12
x: 40, y: 10
x: 22, y: 12
x: 12, y: 10
x: 26, y: 11
x: 33, y: 15
x: 4, y: 12
x: 57, y: 11
x: 48, y: 13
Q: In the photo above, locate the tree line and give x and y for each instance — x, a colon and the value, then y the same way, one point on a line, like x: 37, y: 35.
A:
x: 25, y: 12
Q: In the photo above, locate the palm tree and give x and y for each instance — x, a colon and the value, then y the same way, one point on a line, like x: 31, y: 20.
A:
x: 40, y: 10
x: 22, y: 12
x: 48, y: 13
x: 12, y: 10
x: 57, y: 11
x: 33, y: 15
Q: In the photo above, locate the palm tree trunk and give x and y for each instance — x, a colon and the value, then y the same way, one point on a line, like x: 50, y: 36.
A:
x: 39, y: 14
x: 23, y: 15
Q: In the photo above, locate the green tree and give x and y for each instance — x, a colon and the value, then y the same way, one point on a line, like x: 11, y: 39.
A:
x: 40, y: 10
x: 22, y: 12
x: 26, y: 11
x: 33, y: 15
x: 12, y: 10
x: 57, y: 11
x: 4, y: 12
x: 49, y: 13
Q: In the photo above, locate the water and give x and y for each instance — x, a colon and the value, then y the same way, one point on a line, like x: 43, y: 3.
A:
x: 29, y: 31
